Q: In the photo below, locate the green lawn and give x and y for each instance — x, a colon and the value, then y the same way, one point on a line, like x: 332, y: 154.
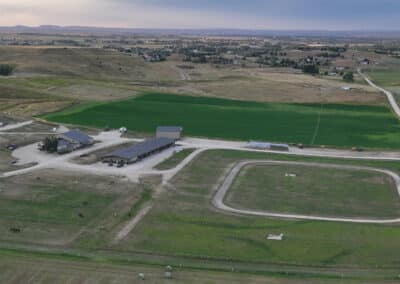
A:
x: 315, y: 191
x: 183, y: 223
x: 335, y: 125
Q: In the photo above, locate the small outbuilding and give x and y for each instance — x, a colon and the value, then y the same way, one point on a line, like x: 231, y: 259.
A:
x: 171, y: 132
x: 268, y: 146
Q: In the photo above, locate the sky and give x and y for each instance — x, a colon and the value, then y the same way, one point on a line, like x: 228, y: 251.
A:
x: 201, y: 14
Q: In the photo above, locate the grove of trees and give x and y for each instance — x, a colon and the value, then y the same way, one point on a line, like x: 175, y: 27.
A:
x: 311, y: 69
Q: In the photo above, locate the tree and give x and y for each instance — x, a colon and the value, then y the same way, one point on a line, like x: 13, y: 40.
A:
x: 348, y: 77
x: 311, y: 69
x: 6, y: 69
x: 50, y: 144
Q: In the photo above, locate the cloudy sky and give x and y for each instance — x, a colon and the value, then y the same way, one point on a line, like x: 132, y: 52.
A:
x: 245, y: 14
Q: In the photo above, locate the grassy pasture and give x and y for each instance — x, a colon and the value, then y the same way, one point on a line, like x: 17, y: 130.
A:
x: 315, y: 191
x: 51, y: 207
x: 174, y: 160
x: 386, y: 77
x: 183, y: 223
x: 334, y: 125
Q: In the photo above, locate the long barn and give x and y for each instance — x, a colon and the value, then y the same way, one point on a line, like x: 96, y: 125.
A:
x: 139, y: 151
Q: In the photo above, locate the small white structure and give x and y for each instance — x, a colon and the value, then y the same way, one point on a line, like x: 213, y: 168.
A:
x: 346, y: 88
x: 141, y: 276
x: 290, y: 175
x: 273, y: 237
x: 123, y: 130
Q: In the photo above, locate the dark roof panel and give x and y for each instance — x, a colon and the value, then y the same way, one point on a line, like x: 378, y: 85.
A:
x: 142, y: 148
x: 78, y: 136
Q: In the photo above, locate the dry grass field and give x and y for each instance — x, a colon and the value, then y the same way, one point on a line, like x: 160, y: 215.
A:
x: 47, y: 79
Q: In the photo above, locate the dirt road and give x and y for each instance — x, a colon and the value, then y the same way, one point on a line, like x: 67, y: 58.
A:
x: 15, y: 125
x: 389, y: 95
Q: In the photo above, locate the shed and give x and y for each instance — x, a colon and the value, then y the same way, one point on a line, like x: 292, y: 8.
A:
x: 268, y: 146
x: 171, y: 132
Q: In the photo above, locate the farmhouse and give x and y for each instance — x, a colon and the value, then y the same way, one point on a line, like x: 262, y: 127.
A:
x: 138, y: 151
x: 171, y: 132
x: 73, y: 140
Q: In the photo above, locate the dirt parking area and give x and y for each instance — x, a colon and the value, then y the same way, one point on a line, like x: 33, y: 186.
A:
x: 20, y: 140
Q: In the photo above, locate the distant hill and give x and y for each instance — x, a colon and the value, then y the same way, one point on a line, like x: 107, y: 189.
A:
x: 52, y: 29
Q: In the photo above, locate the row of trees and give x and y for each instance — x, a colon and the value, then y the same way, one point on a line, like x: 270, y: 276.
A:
x: 6, y: 69
x: 314, y: 70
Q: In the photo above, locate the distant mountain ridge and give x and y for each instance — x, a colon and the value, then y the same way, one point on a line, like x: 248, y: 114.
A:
x: 50, y: 29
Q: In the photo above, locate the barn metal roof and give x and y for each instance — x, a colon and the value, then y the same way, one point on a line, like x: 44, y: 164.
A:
x: 169, y: 128
x: 78, y: 136
x: 141, y: 149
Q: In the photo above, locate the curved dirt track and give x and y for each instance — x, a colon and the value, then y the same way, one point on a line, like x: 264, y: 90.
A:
x: 218, y: 200
x: 389, y: 95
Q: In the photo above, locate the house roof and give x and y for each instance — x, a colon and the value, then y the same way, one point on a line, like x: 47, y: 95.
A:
x: 78, y: 136
x: 141, y: 149
x: 170, y: 128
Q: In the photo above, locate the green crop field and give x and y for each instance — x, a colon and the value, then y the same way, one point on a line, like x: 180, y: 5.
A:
x: 183, y: 223
x: 315, y: 190
x: 335, y: 125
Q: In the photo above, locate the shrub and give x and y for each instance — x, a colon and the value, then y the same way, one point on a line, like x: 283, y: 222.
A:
x: 348, y: 77
x: 6, y: 69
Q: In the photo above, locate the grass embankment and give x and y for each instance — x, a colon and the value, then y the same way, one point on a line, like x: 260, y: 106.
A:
x: 145, y: 197
x: 182, y: 222
x: 25, y: 267
x: 173, y: 161
x: 314, y: 191
x: 333, y: 125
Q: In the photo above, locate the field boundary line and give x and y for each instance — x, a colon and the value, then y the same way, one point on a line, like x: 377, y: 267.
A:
x: 317, y: 126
